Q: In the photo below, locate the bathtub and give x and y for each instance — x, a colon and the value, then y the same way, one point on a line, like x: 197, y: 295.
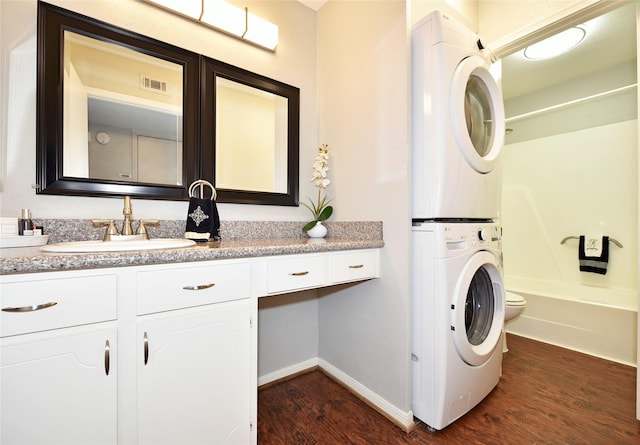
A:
x: 597, y: 321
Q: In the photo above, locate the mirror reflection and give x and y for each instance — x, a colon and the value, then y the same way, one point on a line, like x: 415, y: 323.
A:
x: 122, y: 113
x: 251, y: 138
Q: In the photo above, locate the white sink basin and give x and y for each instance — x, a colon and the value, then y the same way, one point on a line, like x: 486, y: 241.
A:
x: 118, y: 246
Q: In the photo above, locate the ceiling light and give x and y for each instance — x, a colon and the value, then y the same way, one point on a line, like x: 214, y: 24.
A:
x: 555, y: 45
x: 261, y: 31
x: 225, y: 17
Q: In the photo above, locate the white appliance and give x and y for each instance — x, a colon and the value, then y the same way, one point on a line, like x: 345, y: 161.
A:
x: 458, y: 314
x: 458, y: 124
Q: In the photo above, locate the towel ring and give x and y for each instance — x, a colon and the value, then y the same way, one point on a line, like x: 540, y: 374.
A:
x: 612, y: 240
x: 201, y: 183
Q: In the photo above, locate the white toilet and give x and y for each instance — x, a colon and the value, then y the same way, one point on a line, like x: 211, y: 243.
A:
x: 514, y: 306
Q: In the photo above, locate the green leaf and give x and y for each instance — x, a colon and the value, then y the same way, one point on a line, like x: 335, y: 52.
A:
x: 309, y: 207
x: 326, y: 213
x: 308, y: 226
x: 313, y: 208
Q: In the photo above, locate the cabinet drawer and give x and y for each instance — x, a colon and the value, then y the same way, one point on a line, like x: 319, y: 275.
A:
x: 176, y: 288
x: 295, y: 273
x: 354, y: 266
x: 38, y: 305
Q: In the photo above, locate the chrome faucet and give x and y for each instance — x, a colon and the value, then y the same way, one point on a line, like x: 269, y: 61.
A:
x: 127, y: 230
x: 126, y: 225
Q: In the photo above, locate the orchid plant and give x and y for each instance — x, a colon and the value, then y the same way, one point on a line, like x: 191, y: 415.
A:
x: 321, y: 210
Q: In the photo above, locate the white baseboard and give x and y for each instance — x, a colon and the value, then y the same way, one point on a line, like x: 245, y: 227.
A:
x: 403, y: 419
x: 286, y: 372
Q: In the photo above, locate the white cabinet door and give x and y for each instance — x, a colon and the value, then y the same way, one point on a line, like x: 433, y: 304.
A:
x: 59, y: 391
x: 194, y: 379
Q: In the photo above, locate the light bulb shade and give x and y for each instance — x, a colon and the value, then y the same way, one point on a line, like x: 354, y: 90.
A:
x: 225, y: 17
x: 188, y: 8
x: 555, y: 45
x: 261, y: 32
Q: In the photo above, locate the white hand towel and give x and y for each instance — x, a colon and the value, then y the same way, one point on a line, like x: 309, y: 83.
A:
x: 593, y: 245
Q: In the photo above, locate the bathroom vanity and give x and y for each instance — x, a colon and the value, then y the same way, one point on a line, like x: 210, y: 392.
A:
x: 149, y: 347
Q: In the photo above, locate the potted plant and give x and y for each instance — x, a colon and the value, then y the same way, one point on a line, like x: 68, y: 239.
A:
x: 320, y: 209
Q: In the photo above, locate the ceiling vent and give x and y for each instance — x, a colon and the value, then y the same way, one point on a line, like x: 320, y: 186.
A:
x: 149, y: 84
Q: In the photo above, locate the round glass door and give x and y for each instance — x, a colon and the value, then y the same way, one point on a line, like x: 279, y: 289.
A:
x: 477, y: 114
x: 477, y: 309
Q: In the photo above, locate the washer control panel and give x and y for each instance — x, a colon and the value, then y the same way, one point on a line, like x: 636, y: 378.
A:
x: 452, y: 238
x: 473, y: 233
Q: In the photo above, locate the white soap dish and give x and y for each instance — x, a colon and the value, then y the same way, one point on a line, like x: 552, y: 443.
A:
x: 22, y: 241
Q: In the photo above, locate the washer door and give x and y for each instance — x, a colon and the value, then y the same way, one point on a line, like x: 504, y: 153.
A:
x: 477, y: 309
x: 477, y: 114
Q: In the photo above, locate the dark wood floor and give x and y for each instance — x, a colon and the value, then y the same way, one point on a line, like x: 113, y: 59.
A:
x: 547, y: 395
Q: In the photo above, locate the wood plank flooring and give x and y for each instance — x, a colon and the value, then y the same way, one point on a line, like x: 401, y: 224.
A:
x: 547, y: 395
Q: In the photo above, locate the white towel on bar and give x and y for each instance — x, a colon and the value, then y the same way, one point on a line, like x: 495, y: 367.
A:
x: 593, y: 245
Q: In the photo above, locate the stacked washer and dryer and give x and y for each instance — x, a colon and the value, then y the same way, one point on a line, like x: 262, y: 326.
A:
x: 458, y: 291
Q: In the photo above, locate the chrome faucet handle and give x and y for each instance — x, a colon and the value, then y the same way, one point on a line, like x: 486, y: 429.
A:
x: 142, y: 229
x: 109, y: 224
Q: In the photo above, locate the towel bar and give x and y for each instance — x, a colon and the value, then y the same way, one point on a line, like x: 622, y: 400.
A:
x: 612, y: 240
x: 201, y: 183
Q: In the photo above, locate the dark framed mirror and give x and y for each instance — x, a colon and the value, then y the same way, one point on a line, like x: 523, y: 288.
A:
x: 119, y: 113
x: 250, y: 135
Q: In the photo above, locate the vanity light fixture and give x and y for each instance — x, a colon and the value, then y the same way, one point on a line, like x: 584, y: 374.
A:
x: 555, y: 45
x: 225, y: 17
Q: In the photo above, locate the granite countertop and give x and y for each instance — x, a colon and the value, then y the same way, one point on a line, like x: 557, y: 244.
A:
x: 32, y: 259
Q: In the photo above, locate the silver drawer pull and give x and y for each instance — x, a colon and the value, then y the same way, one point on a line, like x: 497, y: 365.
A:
x: 199, y: 286
x: 107, y: 357
x: 29, y: 308
x: 146, y: 348
x: 299, y: 274
x: 356, y: 266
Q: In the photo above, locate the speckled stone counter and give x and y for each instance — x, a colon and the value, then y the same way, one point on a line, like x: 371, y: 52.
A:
x: 240, y: 239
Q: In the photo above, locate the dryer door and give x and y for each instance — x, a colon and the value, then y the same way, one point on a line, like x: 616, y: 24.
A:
x: 477, y: 309
x: 477, y: 114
